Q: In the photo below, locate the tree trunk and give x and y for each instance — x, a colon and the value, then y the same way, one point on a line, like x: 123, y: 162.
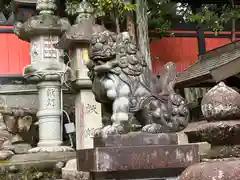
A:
x: 102, y: 21
x: 117, y: 24
x: 233, y: 24
x: 142, y: 31
x: 131, y: 26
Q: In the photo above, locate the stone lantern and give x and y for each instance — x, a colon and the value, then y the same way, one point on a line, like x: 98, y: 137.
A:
x: 47, y: 70
x: 76, y: 40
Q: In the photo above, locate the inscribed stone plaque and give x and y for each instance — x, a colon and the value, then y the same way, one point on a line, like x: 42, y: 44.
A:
x: 88, y: 115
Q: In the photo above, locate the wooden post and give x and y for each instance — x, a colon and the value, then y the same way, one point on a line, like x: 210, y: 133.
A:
x: 196, y: 8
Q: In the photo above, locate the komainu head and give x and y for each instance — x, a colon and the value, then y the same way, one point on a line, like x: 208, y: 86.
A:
x: 102, y: 47
x: 114, y: 53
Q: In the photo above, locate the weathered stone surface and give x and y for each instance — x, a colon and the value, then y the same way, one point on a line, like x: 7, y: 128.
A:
x: 220, y: 133
x: 220, y: 152
x: 218, y: 170
x: 6, y: 148
x: 204, y: 147
x: 220, y: 103
x: 40, y: 161
x: 70, y: 172
x: 5, y: 154
x: 107, y: 159
x: 136, y: 139
x: 22, y: 148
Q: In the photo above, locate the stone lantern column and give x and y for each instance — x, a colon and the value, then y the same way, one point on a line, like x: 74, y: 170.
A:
x: 76, y: 40
x: 47, y: 70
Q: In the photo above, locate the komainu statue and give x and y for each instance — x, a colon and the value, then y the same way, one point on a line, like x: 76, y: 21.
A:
x: 128, y: 91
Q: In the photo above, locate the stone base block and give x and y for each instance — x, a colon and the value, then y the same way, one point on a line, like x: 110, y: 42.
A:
x: 48, y: 149
x: 70, y: 172
x: 137, y: 139
x: 109, y: 159
x: 217, y: 170
x: 204, y: 147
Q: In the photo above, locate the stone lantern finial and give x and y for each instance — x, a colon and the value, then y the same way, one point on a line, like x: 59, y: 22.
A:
x: 46, y: 6
x: 84, y: 11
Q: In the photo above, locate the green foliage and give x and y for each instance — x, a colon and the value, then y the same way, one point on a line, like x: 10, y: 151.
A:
x: 113, y: 9
x: 160, y: 15
x: 215, y: 17
x: 5, y: 7
x: 102, y: 7
x: 31, y: 174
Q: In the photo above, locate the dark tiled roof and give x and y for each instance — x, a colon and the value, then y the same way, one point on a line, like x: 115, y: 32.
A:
x: 208, y: 61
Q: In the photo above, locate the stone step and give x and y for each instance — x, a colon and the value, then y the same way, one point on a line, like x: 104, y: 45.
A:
x: 36, y: 160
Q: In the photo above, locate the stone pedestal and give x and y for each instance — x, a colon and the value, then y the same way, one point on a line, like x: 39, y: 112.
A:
x: 137, y: 155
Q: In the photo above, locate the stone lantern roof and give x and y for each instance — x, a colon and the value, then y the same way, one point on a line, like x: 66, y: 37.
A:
x: 82, y: 30
x: 43, y: 23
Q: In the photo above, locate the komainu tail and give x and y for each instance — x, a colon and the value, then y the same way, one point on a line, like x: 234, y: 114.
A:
x: 168, y: 78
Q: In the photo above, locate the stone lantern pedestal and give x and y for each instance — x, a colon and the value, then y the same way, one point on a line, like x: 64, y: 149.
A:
x: 221, y: 108
x: 88, y: 111
x: 76, y: 40
x: 47, y: 69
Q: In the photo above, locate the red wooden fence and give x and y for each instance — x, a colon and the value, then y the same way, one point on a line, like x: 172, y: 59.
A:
x: 181, y: 50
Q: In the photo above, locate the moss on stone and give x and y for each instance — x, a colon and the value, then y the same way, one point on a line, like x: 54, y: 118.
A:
x: 31, y: 174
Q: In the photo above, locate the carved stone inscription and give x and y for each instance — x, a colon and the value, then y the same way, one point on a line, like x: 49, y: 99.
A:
x: 49, y: 50
x: 91, y: 108
x: 51, y: 97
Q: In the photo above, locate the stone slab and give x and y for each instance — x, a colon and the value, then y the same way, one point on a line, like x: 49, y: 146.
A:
x: 108, y: 159
x: 69, y: 172
x: 136, y: 139
x: 37, y: 160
